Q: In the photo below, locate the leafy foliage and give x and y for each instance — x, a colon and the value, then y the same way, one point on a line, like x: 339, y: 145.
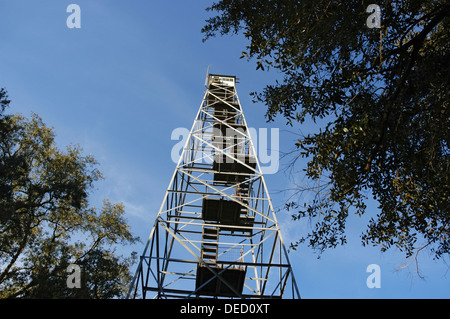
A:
x: 383, y: 94
x: 46, y: 222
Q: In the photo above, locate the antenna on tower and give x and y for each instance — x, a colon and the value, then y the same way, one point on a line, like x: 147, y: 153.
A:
x: 206, y: 79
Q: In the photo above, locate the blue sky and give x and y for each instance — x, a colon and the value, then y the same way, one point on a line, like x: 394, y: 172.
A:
x: 126, y: 79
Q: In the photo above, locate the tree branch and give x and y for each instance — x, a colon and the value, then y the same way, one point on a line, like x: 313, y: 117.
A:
x: 418, y: 39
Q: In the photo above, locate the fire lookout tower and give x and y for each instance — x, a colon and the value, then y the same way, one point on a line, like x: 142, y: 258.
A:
x: 216, y: 233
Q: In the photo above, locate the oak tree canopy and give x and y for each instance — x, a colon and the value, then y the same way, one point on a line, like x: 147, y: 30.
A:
x: 383, y: 94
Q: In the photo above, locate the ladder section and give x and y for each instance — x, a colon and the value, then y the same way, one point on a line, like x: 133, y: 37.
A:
x: 210, y: 243
x: 232, y: 168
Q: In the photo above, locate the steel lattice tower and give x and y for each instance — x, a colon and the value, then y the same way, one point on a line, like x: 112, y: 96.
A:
x: 216, y: 233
